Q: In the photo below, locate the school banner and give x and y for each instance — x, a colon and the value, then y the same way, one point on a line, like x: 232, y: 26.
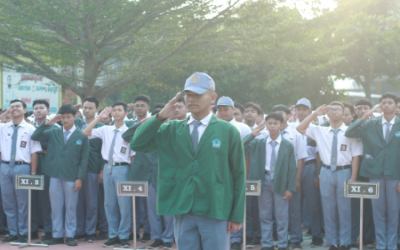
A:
x: 18, y: 83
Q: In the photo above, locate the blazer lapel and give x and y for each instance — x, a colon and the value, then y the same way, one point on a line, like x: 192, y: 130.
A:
x: 281, y: 153
x: 207, y: 134
x: 72, y: 137
x: 394, y: 130
x: 379, y: 130
x: 184, y: 132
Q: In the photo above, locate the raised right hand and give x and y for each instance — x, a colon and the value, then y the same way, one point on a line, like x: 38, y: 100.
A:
x: 257, y: 130
x: 169, y: 109
x: 53, y: 120
x: 322, y: 110
x: 5, y: 113
x: 105, y: 113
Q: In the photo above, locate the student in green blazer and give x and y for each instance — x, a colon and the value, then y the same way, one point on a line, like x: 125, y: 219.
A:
x: 66, y: 160
x: 381, y: 141
x: 274, y: 163
x: 87, y: 209
x: 201, y: 168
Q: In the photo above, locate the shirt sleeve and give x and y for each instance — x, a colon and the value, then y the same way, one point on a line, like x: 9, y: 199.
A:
x: 133, y: 153
x: 245, y: 132
x: 356, y: 147
x: 312, y: 132
x: 98, y: 133
x: 300, y: 147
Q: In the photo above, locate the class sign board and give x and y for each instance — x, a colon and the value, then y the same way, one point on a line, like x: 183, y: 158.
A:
x: 133, y: 188
x: 35, y: 182
x: 253, y: 188
x: 361, y: 190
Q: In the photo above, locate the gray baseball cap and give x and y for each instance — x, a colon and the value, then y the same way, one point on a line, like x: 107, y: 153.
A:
x: 305, y: 102
x: 225, y: 101
x: 199, y: 83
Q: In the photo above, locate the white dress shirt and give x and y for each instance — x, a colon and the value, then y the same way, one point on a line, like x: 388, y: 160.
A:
x: 243, y: 128
x: 268, y: 149
x: 204, y: 123
x: 25, y: 146
x: 122, y: 151
x: 311, y: 150
x: 384, y: 126
x: 347, y: 147
x: 70, y: 131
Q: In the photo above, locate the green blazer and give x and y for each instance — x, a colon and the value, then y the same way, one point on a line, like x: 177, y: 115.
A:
x: 40, y: 165
x: 96, y: 162
x: 65, y: 161
x: 380, y: 159
x: 211, y: 182
x: 285, y: 168
x: 145, y: 165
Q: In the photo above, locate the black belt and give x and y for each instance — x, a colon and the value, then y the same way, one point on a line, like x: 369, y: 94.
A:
x: 41, y: 154
x: 267, y: 172
x: 309, y: 162
x: 16, y: 163
x: 338, y: 167
x: 118, y: 163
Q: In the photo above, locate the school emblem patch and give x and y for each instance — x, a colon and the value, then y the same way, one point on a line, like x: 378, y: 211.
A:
x: 195, y: 78
x: 398, y: 134
x: 78, y: 142
x: 216, y: 143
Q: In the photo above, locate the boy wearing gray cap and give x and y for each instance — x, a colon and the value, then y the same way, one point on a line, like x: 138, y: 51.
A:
x: 201, y: 168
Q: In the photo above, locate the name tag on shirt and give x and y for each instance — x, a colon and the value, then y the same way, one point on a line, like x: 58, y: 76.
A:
x: 343, y: 147
x: 23, y: 144
x: 123, y: 150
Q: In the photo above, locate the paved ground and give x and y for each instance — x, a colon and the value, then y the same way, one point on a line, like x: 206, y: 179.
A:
x: 98, y: 245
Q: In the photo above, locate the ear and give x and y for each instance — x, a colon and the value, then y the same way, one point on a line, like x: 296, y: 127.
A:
x: 214, y: 97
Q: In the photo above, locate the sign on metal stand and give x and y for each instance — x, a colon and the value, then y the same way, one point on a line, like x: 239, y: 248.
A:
x: 30, y: 182
x: 132, y: 188
x: 253, y: 188
x: 362, y: 190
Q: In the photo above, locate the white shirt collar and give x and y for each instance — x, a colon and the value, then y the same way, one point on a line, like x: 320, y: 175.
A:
x: 342, y: 127
x: 233, y: 121
x: 23, y: 123
x: 71, y: 130
x: 278, y: 140
x: 205, y: 121
x: 384, y: 120
x: 120, y: 129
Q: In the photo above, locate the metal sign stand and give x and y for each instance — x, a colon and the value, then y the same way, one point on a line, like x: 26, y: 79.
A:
x: 132, y: 188
x: 253, y: 188
x: 361, y: 190
x: 29, y: 182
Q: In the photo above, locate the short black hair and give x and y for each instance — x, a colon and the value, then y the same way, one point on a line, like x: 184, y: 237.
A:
x: 276, y: 116
x: 121, y: 103
x: 389, y: 95
x: 16, y: 100
x: 67, y: 109
x: 215, y: 109
x: 281, y: 107
x: 181, y: 99
x: 338, y: 103
x: 159, y: 105
x: 108, y: 114
x: 155, y: 111
x: 27, y: 114
x: 92, y: 99
x: 364, y: 101
x: 239, y: 106
x: 40, y: 101
x: 144, y: 98
x: 349, y: 106
x: 254, y: 106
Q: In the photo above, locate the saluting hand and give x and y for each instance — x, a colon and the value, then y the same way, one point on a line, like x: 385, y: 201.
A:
x: 4, y: 114
x: 322, y: 110
x: 130, y: 106
x: 53, y: 120
x: 369, y: 113
x: 257, y: 130
x: 234, y: 226
x: 105, y: 113
x: 78, y: 106
x: 169, y: 108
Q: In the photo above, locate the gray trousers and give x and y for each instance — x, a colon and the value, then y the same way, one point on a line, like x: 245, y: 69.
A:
x: 87, y: 209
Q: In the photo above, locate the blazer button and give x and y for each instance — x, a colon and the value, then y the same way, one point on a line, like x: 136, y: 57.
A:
x: 195, y: 161
x: 195, y: 174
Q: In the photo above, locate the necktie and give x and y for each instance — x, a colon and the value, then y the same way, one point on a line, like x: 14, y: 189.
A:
x: 14, y: 146
x: 111, y: 153
x: 195, y: 135
x: 334, y: 149
x: 66, y: 133
x: 387, y: 131
x: 273, y: 159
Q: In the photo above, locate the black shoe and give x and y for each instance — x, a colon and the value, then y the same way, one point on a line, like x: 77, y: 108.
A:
x: 146, y: 237
x: 257, y: 240
x: 131, y: 237
x: 111, y: 242
x: 167, y: 245
x: 297, y: 246
x: 34, y: 235
x: 156, y: 244
x: 333, y: 247
x: 316, y: 242
x: 344, y: 247
x: 354, y: 246
x: 322, y: 232
x: 102, y: 236
x: 8, y: 239
x: 3, y: 233
x: 250, y: 242
x: 267, y: 248
x: 47, y: 236
x: 275, y: 236
x: 71, y: 242
x: 91, y: 238
x: 308, y: 233
x: 125, y: 243
x: 80, y: 237
x: 22, y: 239
x: 290, y: 244
x: 54, y: 241
x: 282, y: 248
x: 235, y: 246
x: 370, y: 244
